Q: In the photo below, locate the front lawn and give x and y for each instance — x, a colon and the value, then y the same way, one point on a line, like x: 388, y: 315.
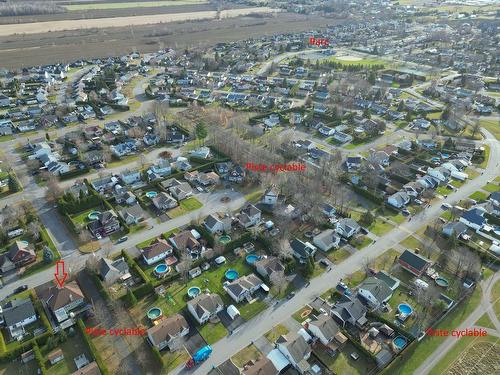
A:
x: 485, y: 321
x: 337, y: 256
x: 185, y: 206
x: 411, y: 242
x: 276, y: 332
x: 250, y: 310
x: 380, y: 227
x: 491, y: 187
x: 302, y: 314
x: 361, y: 242
x: 443, y: 190
x: 212, y: 333
x: 250, y: 353
x: 254, y: 197
x: 479, y: 196
x: 173, y: 360
x: 484, y: 164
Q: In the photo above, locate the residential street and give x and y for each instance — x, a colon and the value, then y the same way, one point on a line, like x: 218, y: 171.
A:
x: 262, y: 323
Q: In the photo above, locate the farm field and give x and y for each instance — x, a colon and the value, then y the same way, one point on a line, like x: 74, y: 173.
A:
x: 132, y: 4
x: 66, y: 46
x: 42, y: 27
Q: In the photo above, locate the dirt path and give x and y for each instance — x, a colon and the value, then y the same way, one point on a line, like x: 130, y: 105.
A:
x: 44, y: 27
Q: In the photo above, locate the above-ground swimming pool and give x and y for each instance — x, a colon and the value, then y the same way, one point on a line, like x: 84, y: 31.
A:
x: 24, y: 242
x: 224, y: 239
x: 442, y: 282
x: 154, y: 313
x: 231, y: 275
x: 151, y: 194
x: 194, y: 291
x: 405, y: 309
x: 251, y: 259
x: 93, y: 215
x: 399, y: 342
x: 161, y: 269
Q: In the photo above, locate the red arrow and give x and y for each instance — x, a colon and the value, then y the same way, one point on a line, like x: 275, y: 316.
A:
x: 60, y: 274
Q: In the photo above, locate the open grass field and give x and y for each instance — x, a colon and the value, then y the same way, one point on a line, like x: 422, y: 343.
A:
x: 185, y: 206
x: 132, y: 4
x: 493, y: 126
x: 67, y: 46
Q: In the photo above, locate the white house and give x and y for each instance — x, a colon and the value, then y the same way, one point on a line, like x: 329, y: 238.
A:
x: 156, y: 251
x: 243, y: 287
x: 217, y: 223
x: 249, y: 216
x: 295, y: 348
x: 347, y: 227
x: 399, y: 199
x: 473, y: 218
x: 324, y: 328
x: 168, y: 333
x: 271, y: 196
x: 441, y: 174
x: 16, y: 314
x: 327, y: 240
x: 130, y: 177
x: 374, y: 291
x: 205, y: 306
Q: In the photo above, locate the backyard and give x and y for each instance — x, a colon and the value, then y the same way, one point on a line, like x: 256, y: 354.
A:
x: 72, y: 348
x: 342, y: 363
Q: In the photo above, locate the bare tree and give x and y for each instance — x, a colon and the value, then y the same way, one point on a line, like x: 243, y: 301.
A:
x: 278, y: 281
x: 34, y: 230
x: 54, y: 191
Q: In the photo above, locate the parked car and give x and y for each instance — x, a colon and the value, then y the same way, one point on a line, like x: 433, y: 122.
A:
x: 364, y: 230
x: 418, y: 202
x: 290, y: 295
x: 324, y: 262
x: 446, y: 206
x: 20, y: 289
x: 122, y: 239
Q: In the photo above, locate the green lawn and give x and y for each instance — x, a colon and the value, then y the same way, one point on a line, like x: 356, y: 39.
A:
x: 368, y: 62
x: 443, y: 190
x: 472, y: 173
x: 485, y: 321
x: 355, y: 278
x: 362, y: 242
x: 250, y: 310
x: 82, y: 217
x: 133, y: 4
x: 342, y: 363
x: 479, y: 196
x: 185, y: 206
x: 123, y: 161
x: 173, y: 360
x: 491, y: 187
x: 212, y: 332
x: 456, y: 183
x: 73, y: 347
x: 254, y: 197
x: 250, y: 353
x: 301, y: 315
x: 380, y: 227
x: 492, y: 126
x: 276, y: 332
x: 337, y: 256
x: 411, y: 242
x: 487, y: 150
x: 416, y: 354
x: 392, y: 215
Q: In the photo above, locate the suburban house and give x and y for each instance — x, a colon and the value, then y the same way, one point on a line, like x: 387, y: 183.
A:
x: 414, y: 263
x: 158, y: 250
x: 349, y: 310
x: 264, y: 366
x: 243, y: 287
x: 21, y: 253
x: 61, y: 301
x: 168, y: 333
x: 218, y: 223
x: 271, y: 196
x: 454, y: 229
x: 347, y: 227
x: 374, y: 291
x: 180, y: 190
x: 106, y: 223
x: 16, y: 314
x: 202, y: 153
x: 164, y: 201
x: 132, y: 214
x: 113, y: 270
x: 205, y: 306
x: 440, y: 173
x: 328, y: 210
x: 159, y: 170
x: 353, y: 163
x: 324, y: 328
x: 327, y: 240
x: 302, y: 250
x: 399, y: 199
x: 473, y: 218
x: 390, y: 280
x: 295, y: 348
x: 186, y: 241
x: 270, y: 267
x: 130, y: 177
x: 249, y: 216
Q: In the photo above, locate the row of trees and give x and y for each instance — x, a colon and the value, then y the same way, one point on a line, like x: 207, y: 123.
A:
x: 26, y: 8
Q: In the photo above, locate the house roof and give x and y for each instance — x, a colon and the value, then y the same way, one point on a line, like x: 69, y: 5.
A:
x: 90, y: 369
x: 243, y: 284
x: 388, y: 279
x: 206, y: 303
x: 106, y: 265
x: 270, y: 264
x: 326, y: 325
x: 250, y: 210
x: 303, y: 249
x: 415, y: 260
x: 263, y: 366
x: 17, y: 310
x: 211, y: 221
x: 57, y: 298
x: 327, y: 237
x: 475, y: 216
x: 349, y: 308
x: 228, y: 368
x: 20, y: 250
x: 185, y: 240
x: 157, y: 247
x: 167, y: 328
x: 55, y: 354
x: 296, y: 345
x: 378, y: 288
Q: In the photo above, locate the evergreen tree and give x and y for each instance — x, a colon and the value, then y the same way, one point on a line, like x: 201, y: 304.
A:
x: 201, y: 131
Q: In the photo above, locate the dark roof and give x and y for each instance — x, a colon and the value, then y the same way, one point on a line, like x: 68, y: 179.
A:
x: 416, y: 261
x: 301, y: 248
x: 326, y: 325
x: 349, y: 308
x: 378, y: 288
x: 59, y: 297
x: 474, y: 216
x: 17, y: 310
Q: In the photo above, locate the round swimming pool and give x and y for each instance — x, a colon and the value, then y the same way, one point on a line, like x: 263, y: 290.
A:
x: 251, y: 259
x: 151, y: 194
x: 399, y: 342
x: 93, y: 215
x: 405, y: 309
x: 224, y: 239
x: 442, y: 282
x: 24, y: 242
x: 231, y: 275
x: 154, y: 313
x: 194, y: 291
x: 161, y: 269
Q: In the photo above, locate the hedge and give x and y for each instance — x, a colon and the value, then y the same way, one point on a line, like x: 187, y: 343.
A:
x: 246, y: 237
x: 158, y: 356
x: 39, y: 358
x: 132, y: 264
x: 368, y: 194
x: 20, y: 347
x: 143, y: 290
x: 104, y: 293
x: 74, y: 173
x: 92, y: 349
